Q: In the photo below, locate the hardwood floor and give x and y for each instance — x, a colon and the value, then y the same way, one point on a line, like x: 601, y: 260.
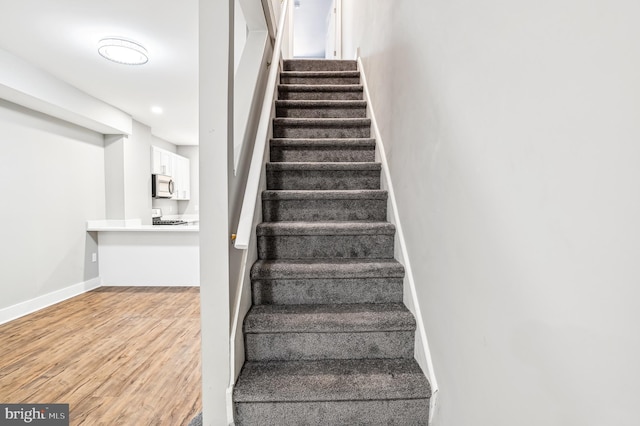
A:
x: 117, y: 355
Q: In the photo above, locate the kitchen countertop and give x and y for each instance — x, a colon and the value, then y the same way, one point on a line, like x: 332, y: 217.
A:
x: 135, y: 225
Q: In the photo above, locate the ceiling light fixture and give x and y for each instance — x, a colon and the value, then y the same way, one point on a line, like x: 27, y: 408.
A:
x: 122, y: 51
x: 156, y: 110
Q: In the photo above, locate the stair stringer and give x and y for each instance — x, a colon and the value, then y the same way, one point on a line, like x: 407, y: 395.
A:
x: 242, y: 298
x: 410, y: 297
x: 242, y: 305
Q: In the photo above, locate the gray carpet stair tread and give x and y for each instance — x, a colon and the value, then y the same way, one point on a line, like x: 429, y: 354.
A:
x: 327, y: 74
x: 319, y: 65
x: 320, y: 104
x: 331, y: 380
x: 324, y: 142
x: 324, y: 205
x: 337, y: 318
x: 310, y: 194
x: 320, y: 87
x: 327, y: 268
x: 341, y: 150
x: 326, y: 166
x: 324, y: 228
x: 320, y: 108
x: 196, y: 421
x: 322, y: 122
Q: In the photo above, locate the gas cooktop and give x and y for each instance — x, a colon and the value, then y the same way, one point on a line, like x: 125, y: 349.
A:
x: 168, y: 222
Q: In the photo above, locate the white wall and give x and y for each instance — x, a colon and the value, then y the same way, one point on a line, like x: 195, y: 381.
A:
x: 128, y: 174
x: 53, y: 181
x: 239, y: 33
x: 114, y: 176
x: 512, y: 133
x: 138, y: 174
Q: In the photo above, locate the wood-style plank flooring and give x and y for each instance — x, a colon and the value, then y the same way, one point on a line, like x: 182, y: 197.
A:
x: 117, y: 355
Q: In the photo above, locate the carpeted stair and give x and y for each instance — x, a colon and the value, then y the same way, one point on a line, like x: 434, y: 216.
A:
x: 328, y: 340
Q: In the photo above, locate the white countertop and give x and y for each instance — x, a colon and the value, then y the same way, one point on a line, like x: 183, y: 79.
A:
x: 135, y: 225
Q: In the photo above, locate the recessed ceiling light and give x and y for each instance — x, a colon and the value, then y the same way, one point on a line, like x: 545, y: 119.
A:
x: 122, y: 51
x: 156, y: 110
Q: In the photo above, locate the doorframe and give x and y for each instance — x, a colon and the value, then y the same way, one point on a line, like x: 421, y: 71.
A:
x: 338, y: 29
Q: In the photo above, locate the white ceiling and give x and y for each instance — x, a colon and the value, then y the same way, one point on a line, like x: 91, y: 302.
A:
x: 61, y: 37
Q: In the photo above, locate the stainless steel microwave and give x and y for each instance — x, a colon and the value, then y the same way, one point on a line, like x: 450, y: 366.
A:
x: 162, y: 186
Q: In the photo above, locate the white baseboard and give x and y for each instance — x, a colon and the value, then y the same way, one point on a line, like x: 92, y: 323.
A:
x: 422, y: 353
x: 230, y: 420
x: 23, y: 308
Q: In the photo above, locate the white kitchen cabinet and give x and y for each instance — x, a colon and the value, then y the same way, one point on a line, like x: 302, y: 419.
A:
x: 156, y: 167
x: 182, y: 178
x: 164, y: 162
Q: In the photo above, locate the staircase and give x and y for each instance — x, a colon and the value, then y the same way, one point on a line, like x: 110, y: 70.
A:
x: 328, y: 340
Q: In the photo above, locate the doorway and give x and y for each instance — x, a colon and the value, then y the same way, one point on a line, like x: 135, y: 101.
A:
x: 317, y: 29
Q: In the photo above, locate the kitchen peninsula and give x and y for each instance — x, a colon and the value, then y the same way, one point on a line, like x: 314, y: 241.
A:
x: 133, y: 254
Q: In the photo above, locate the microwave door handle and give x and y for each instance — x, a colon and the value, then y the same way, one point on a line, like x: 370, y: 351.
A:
x: 171, y: 187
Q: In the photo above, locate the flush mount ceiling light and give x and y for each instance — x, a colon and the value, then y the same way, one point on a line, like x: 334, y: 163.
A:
x: 122, y: 51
